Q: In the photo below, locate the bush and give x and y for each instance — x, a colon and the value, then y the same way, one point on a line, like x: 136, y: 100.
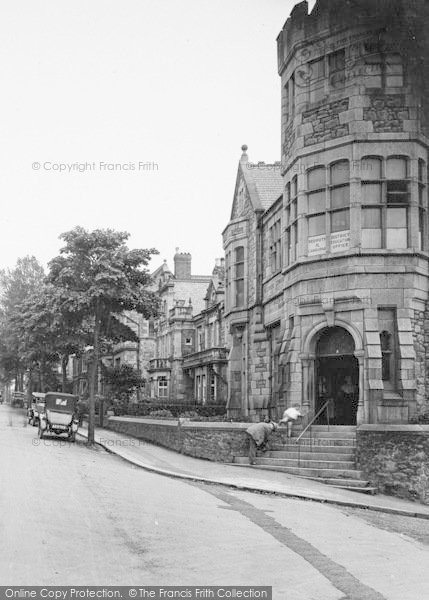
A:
x: 420, y: 419
x: 163, y: 412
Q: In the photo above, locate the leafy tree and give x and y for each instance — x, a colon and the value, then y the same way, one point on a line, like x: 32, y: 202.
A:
x: 122, y: 379
x: 99, y: 277
x: 47, y: 334
x: 17, y: 285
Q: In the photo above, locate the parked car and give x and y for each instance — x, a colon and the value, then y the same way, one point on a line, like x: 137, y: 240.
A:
x: 37, y: 407
x: 18, y: 399
x: 60, y: 415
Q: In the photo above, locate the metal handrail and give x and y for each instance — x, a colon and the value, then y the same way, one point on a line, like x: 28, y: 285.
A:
x: 319, y: 412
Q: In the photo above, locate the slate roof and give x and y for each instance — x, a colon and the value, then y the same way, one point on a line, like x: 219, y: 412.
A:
x: 264, y: 182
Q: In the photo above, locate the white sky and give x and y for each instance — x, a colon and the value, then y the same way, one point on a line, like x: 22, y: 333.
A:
x: 181, y: 83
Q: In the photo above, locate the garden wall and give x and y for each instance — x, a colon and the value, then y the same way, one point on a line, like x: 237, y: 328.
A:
x: 395, y: 458
x: 202, y: 439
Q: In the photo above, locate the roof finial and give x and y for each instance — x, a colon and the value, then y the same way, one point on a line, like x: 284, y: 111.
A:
x: 244, y: 157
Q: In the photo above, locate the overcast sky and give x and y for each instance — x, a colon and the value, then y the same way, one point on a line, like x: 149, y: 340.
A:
x: 173, y: 88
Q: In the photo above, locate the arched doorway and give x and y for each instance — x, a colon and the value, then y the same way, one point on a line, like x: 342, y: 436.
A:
x: 336, y: 376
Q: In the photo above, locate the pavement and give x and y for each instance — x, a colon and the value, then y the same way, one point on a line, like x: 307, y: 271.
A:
x: 166, y: 462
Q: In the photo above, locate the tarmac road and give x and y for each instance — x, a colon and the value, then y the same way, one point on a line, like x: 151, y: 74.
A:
x: 70, y: 515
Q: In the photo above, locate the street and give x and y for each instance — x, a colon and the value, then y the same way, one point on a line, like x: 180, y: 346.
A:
x: 70, y: 515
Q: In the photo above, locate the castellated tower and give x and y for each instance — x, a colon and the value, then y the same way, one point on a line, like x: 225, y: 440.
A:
x: 351, y: 293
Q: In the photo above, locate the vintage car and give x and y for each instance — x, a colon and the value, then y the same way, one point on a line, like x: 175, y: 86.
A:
x: 18, y: 399
x: 60, y: 415
x: 37, y: 407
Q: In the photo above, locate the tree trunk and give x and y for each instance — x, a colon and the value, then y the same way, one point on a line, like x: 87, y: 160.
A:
x: 93, y: 380
x: 64, y: 362
x: 42, y: 376
x: 29, y: 386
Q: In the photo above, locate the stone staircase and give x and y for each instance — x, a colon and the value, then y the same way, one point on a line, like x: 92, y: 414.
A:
x: 326, y: 455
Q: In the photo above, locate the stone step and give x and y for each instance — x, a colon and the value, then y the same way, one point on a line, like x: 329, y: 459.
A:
x: 315, y: 442
x: 305, y: 464
x: 344, y: 483
x: 349, y: 450
x: 324, y: 433
x: 317, y: 455
x: 334, y: 428
x: 311, y: 473
x: 351, y: 484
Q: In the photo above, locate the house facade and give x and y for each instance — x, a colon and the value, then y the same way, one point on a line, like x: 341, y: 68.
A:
x: 182, y: 295
x: 327, y: 274
x: 206, y: 366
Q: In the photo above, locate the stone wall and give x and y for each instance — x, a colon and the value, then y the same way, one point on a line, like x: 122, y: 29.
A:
x: 387, y: 112
x: 420, y: 345
x: 395, y: 458
x: 326, y: 122
x: 213, y: 441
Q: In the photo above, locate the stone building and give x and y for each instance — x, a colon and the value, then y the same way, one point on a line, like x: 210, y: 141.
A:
x: 327, y: 271
x: 207, y: 364
x: 182, y: 296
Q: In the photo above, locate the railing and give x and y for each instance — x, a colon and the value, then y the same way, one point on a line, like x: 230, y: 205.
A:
x: 159, y: 364
x: 205, y: 356
x: 324, y: 407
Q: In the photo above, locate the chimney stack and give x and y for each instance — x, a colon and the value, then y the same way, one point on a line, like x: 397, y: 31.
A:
x: 182, y: 265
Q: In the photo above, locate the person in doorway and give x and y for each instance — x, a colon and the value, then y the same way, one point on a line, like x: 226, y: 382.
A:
x: 348, y: 399
x: 258, y: 434
x: 290, y: 415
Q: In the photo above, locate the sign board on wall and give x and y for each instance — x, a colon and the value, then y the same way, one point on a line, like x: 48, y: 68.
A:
x: 316, y: 245
x: 340, y: 241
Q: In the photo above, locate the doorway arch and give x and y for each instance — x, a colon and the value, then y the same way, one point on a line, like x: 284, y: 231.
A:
x: 336, y: 376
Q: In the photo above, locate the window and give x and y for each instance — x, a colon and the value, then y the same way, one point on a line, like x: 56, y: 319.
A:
x: 329, y: 208
x: 289, y: 99
x: 383, y: 70
x: 213, y: 386
x: 197, y: 391
x: 388, y: 337
x: 162, y: 387
x: 228, y: 278
x: 317, y: 79
x: 201, y: 339
x: 316, y: 185
x: 374, y: 70
x: 291, y: 219
x: 275, y: 247
x: 336, y: 67
x: 386, y: 351
x: 385, y: 203
x: 239, y: 276
x: 339, y: 191
x: 188, y: 341
x: 211, y: 341
x: 394, y: 75
x: 285, y: 102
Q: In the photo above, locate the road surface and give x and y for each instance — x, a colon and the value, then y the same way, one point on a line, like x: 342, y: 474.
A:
x: 70, y: 515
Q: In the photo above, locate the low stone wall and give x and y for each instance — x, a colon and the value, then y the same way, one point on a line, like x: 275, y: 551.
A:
x: 395, y: 458
x: 201, y: 439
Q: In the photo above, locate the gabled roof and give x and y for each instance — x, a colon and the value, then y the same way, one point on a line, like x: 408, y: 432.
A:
x: 264, y: 182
